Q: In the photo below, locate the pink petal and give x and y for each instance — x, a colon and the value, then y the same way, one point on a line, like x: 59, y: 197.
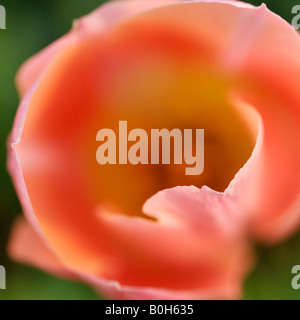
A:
x: 204, y: 215
x: 13, y: 162
x: 156, y: 252
x: 26, y: 246
x: 100, y: 21
x: 266, y: 77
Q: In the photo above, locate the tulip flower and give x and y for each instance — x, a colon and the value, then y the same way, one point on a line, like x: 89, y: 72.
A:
x: 149, y: 231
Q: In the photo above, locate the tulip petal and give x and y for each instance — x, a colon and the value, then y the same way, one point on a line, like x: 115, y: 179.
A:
x: 268, y: 187
x: 187, y: 219
x: 100, y: 20
x: 13, y: 162
x: 27, y: 246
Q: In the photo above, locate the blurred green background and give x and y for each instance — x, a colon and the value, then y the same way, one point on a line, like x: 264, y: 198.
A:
x: 32, y: 25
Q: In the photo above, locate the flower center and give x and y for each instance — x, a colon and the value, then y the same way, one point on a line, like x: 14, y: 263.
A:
x: 152, y: 79
x: 151, y: 84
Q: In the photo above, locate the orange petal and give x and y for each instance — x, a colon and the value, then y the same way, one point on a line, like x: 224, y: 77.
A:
x: 193, y: 250
x: 27, y: 246
x: 266, y: 77
x: 100, y: 20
